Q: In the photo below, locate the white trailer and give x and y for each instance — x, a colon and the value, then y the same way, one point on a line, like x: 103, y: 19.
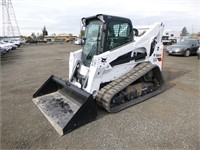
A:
x: 170, y: 37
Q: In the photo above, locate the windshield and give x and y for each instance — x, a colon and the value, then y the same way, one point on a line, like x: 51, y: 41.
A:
x: 188, y: 42
x: 92, y: 41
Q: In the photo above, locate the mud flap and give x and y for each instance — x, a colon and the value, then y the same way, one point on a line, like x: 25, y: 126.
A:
x: 65, y: 106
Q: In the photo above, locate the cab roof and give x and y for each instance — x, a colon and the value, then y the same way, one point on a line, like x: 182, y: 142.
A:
x: 105, y: 19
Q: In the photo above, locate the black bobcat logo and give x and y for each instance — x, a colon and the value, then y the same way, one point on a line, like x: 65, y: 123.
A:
x: 103, y: 60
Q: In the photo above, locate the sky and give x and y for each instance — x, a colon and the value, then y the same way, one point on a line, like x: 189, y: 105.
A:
x: 63, y: 16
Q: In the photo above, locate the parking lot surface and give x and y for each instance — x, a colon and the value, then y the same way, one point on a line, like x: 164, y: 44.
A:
x: 167, y: 121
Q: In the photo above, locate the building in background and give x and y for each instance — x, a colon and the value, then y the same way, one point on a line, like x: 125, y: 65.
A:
x: 60, y: 38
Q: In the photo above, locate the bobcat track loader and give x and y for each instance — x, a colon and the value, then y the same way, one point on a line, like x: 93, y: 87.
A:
x: 115, y: 69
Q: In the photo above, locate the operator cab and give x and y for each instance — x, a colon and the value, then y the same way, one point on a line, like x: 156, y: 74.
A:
x: 104, y: 33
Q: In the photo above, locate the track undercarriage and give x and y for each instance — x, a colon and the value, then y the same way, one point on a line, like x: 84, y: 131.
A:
x: 142, y: 82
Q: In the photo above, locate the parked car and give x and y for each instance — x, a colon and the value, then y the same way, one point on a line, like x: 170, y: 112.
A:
x: 77, y: 41
x: 5, y: 46
x: 10, y: 43
x: 185, y: 48
x: 17, y: 43
x: 198, y: 53
x: 3, y: 49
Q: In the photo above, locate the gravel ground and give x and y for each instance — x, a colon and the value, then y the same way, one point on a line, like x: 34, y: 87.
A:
x: 167, y: 121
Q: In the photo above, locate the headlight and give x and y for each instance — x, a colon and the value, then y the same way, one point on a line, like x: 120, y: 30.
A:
x: 177, y: 49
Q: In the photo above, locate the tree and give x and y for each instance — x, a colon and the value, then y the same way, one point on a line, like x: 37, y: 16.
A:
x: 33, y: 36
x: 184, y: 32
x: 82, y: 33
x: 44, y: 31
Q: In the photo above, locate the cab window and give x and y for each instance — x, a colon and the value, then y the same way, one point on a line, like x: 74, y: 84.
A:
x: 117, y: 34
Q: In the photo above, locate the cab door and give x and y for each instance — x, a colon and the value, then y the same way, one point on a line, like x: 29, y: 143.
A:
x: 118, y: 34
x: 194, y: 48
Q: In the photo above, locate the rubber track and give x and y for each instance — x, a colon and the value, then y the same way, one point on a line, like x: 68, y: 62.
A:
x: 106, y: 93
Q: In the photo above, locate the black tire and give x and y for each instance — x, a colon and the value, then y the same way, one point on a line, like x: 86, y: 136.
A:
x: 187, y: 53
x: 198, y: 56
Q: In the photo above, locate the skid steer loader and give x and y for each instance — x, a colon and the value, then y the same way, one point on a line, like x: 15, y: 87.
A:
x: 115, y: 69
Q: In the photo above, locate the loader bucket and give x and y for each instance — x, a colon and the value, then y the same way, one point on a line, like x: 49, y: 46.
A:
x: 64, y: 105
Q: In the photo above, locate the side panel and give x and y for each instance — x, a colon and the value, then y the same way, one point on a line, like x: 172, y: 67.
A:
x: 73, y: 59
